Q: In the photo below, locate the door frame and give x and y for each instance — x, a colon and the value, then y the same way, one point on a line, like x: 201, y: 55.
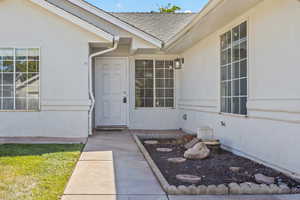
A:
x: 127, y: 107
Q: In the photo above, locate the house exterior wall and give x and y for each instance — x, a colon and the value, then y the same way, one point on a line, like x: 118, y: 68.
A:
x: 270, y: 132
x: 63, y: 71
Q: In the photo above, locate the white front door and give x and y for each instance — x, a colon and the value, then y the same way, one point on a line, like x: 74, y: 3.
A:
x: 111, y: 91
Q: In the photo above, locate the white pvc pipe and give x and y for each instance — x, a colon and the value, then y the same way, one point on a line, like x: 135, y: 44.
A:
x: 91, y: 93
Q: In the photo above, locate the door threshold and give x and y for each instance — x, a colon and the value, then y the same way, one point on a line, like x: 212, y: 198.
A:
x: 110, y: 128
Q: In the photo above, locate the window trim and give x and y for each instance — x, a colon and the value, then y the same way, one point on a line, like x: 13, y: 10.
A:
x: 248, y: 40
x: 154, y: 59
x: 39, y: 84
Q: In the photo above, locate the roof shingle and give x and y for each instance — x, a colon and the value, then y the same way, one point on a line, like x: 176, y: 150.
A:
x: 161, y: 25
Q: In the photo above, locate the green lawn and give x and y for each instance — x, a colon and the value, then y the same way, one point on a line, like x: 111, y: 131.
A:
x: 36, y: 172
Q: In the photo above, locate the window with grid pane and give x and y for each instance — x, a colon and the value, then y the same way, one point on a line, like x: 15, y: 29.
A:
x: 234, y: 75
x: 154, y: 85
x: 19, y: 78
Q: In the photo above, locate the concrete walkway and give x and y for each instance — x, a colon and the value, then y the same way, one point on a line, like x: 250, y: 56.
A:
x: 112, y: 168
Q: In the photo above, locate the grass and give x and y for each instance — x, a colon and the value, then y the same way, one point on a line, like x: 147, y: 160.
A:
x: 36, y: 172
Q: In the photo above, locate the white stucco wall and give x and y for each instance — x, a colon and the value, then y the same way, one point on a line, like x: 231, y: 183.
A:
x: 271, y: 132
x: 64, y: 71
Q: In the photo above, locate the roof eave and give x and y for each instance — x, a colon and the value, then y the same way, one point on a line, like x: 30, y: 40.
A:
x: 204, y: 11
x: 75, y: 20
x: 116, y: 21
x: 215, y: 15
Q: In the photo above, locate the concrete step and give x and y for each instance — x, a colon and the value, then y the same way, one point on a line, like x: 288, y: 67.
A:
x: 111, y: 128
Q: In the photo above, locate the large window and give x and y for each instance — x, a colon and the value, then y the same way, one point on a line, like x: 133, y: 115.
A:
x: 19, y: 79
x: 234, y: 90
x: 154, y: 83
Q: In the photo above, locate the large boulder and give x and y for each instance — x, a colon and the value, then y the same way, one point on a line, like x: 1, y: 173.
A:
x: 198, y: 152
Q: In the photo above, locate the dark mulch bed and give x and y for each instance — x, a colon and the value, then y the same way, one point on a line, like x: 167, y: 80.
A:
x: 213, y: 170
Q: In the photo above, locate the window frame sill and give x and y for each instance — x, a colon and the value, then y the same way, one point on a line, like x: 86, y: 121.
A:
x: 15, y: 111
x: 154, y: 108
x: 233, y: 115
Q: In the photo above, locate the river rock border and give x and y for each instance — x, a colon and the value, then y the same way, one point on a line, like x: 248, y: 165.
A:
x: 222, y: 189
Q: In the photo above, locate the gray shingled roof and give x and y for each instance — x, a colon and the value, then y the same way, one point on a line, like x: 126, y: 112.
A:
x: 161, y: 25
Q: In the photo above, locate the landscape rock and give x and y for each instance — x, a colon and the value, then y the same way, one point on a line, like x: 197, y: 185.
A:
x: 261, y: 189
x: 265, y: 189
x: 172, y: 190
x: 199, y: 151
x: 245, y: 188
x: 191, y: 143
x: 222, y: 189
x: 260, y: 178
x: 183, y: 189
x: 234, y: 169
x: 187, y: 178
x: 284, y: 189
x: 234, y: 188
x: 176, y: 160
x: 151, y: 142
x: 211, y: 189
x: 164, y: 149
x: 201, y: 190
x: 255, y: 188
x: 274, y: 189
x: 192, y: 189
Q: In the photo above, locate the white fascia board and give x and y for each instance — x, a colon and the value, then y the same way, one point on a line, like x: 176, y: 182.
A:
x: 114, y: 20
x: 211, y: 5
x: 74, y: 19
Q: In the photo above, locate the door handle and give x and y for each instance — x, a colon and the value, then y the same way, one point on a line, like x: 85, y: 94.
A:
x: 124, y: 99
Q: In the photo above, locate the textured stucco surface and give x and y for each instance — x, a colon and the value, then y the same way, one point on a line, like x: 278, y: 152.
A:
x: 271, y: 130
